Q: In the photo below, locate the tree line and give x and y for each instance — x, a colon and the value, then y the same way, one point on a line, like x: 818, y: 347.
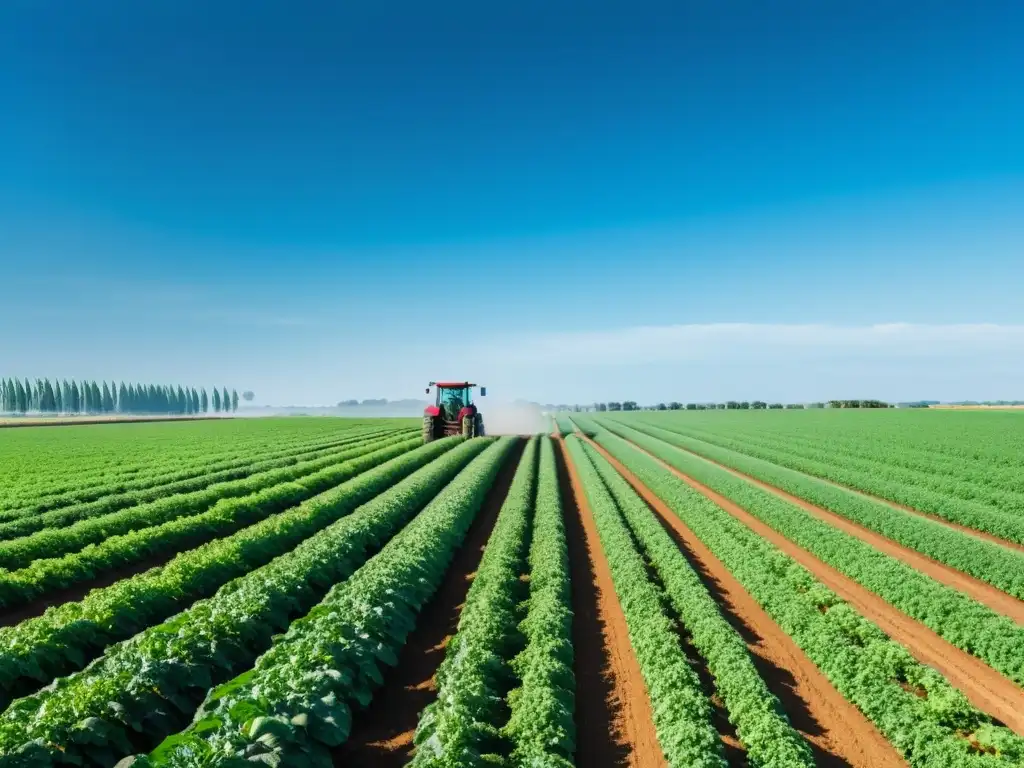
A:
x: 92, y: 397
x: 729, y: 405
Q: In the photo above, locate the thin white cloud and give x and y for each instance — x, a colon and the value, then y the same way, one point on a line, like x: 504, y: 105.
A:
x: 751, y: 341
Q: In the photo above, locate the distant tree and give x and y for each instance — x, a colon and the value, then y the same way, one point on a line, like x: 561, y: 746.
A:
x: 106, y: 399
x: 197, y: 406
x: 691, y: 406
x: 234, y: 400
x: 630, y: 405
x: 775, y: 406
x: 225, y: 400
x: 675, y: 406
x: 216, y: 400
x: 614, y: 406
x: 248, y: 395
x: 48, y: 401
x: 794, y: 407
x: 204, y: 401
x: 600, y: 407
x: 662, y: 407
x: 758, y: 405
x: 732, y: 405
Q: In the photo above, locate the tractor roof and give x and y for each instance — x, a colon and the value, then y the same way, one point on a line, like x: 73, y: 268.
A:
x: 452, y: 384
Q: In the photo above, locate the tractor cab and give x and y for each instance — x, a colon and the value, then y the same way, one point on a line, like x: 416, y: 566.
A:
x: 453, y: 411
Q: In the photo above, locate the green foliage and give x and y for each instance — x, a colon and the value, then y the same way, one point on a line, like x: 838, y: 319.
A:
x: 63, y: 533
x: 867, y: 667
x: 303, y: 689
x: 226, y: 516
x: 462, y: 726
x: 564, y: 424
x: 965, y: 623
x: 144, y: 473
x: 682, y: 714
x: 62, y: 640
x: 152, y: 683
x: 756, y: 713
x: 542, y: 727
x: 1000, y: 566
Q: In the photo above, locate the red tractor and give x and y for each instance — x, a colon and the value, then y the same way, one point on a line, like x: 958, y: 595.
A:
x: 453, y: 412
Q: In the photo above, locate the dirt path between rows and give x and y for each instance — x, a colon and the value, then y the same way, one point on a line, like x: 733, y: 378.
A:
x: 986, y: 689
x: 838, y: 733
x: 615, y: 725
x: 975, y: 588
x: 989, y: 537
x: 382, y: 733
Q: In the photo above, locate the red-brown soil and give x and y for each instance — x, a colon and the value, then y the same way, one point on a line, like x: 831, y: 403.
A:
x: 382, y: 733
x: 839, y: 734
x: 615, y: 726
x: 988, y: 690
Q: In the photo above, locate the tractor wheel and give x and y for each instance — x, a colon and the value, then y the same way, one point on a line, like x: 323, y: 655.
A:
x: 468, y: 427
x: 428, y: 429
x: 479, y: 425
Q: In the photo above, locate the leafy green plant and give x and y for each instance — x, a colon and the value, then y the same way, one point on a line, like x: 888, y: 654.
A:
x: 150, y: 685
x: 682, y: 713
x: 927, y: 720
x: 542, y: 726
x: 67, y: 636
x: 297, y: 701
x: 463, y: 724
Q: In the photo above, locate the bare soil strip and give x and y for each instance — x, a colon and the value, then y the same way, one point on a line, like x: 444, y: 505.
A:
x: 989, y: 537
x: 984, y: 687
x: 839, y: 734
x: 382, y: 733
x: 976, y: 589
x: 615, y: 726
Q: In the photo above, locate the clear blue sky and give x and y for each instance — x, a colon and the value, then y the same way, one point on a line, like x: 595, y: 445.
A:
x: 328, y: 200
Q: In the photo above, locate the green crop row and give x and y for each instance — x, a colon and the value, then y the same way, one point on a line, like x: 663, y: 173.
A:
x: 965, y: 623
x: 225, y: 517
x: 564, y: 424
x: 753, y: 709
x: 297, y: 701
x: 56, y: 541
x: 149, y: 686
x: 929, y: 482
x: 107, y: 500
x: 927, y: 720
x: 132, y: 453
x: 682, y: 713
x: 999, y: 566
x: 164, y: 479
x: 542, y: 726
x: 463, y: 724
x: 1001, y: 519
x: 70, y: 635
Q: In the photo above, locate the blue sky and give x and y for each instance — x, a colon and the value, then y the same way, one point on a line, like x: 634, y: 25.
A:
x: 323, y: 202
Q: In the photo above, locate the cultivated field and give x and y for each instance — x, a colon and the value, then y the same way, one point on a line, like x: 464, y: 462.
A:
x: 774, y: 588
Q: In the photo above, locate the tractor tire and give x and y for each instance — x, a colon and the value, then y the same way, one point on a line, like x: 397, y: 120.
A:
x: 428, y: 429
x: 479, y: 425
x: 468, y: 427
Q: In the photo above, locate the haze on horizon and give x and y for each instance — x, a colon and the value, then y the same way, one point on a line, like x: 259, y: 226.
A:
x: 651, y: 201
